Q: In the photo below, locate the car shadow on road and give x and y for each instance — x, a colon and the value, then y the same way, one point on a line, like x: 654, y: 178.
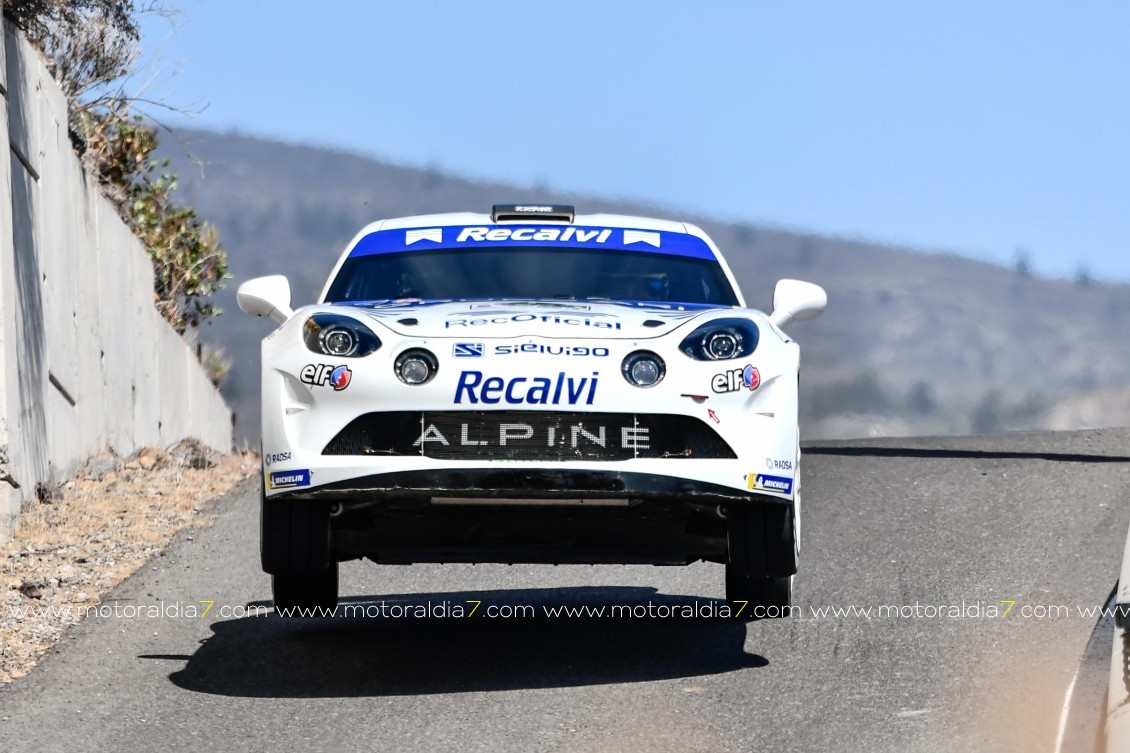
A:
x: 269, y: 656
x: 918, y: 452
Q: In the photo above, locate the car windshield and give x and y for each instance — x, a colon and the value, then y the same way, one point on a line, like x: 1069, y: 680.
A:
x: 532, y: 273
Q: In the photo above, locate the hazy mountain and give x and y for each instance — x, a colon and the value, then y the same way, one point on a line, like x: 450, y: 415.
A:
x: 911, y: 343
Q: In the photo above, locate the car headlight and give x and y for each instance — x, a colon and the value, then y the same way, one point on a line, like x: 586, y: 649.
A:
x: 416, y: 366
x: 643, y: 369
x: 721, y: 340
x: 339, y: 336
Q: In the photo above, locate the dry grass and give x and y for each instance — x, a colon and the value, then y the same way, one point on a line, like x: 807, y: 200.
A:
x: 70, y: 551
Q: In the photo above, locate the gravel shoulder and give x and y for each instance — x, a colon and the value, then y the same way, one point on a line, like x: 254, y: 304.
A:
x: 85, y: 537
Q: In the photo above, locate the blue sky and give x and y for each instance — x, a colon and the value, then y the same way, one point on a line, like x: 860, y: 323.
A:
x: 981, y: 128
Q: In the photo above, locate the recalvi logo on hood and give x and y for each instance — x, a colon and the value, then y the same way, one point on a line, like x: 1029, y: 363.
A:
x: 474, y: 388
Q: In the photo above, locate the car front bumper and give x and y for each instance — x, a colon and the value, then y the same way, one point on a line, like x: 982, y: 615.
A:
x: 480, y: 485
x: 529, y: 516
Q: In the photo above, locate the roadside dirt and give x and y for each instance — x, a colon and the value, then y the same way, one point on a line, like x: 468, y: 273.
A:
x: 85, y: 537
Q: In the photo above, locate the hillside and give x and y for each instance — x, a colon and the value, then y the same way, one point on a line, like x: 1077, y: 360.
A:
x: 912, y: 342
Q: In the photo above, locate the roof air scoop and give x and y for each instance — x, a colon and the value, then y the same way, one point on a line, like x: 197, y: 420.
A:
x: 527, y: 212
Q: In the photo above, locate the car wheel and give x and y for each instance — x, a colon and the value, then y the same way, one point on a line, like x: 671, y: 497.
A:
x: 762, y: 558
x: 305, y: 595
x: 762, y: 597
x: 294, y: 537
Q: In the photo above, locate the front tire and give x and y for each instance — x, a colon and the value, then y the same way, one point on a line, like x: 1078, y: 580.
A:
x: 295, y: 547
x: 762, y: 559
x: 305, y: 595
x: 762, y: 597
x: 294, y: 536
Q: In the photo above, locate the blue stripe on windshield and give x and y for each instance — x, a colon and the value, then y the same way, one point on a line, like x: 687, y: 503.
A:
x: 531, y: 236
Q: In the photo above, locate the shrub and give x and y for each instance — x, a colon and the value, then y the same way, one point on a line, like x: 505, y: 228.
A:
x: 91, y: 46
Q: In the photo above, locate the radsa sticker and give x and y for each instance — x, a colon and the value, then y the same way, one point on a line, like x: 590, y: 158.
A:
x: 274, y: 458
x: 767, y: 483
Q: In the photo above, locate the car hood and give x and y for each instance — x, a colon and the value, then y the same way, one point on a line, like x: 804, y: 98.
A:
x: 531, y: 317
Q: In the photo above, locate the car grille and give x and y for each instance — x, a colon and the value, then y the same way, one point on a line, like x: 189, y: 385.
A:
x: 528, y: 435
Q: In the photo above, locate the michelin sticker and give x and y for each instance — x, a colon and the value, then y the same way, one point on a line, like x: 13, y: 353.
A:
x: 290, y: 479
x: 765, y: 482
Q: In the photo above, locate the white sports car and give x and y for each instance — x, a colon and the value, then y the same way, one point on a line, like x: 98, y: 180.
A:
x: 530, y: 386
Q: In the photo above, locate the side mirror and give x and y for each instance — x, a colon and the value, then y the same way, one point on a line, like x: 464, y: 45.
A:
x: 266, y: 296
x: 797, y: 301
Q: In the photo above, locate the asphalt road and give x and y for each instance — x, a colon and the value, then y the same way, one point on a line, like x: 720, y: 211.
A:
x: 1036, y: 519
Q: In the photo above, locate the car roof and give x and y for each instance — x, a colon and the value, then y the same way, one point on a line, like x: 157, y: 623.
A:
x: 473, y: 218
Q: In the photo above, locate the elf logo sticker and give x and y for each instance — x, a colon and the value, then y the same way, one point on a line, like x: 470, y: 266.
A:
x: 765, y: 482
x: 290, y: 479
x: 324, y: 375
x: 747, y: 377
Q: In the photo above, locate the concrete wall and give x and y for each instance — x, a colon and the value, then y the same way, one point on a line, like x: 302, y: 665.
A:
x: 88, y: 363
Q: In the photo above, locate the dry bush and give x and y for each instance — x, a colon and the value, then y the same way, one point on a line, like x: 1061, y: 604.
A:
x: 91, y: 48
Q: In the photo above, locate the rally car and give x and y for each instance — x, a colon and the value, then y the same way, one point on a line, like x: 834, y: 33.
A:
x: 531, y: 386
